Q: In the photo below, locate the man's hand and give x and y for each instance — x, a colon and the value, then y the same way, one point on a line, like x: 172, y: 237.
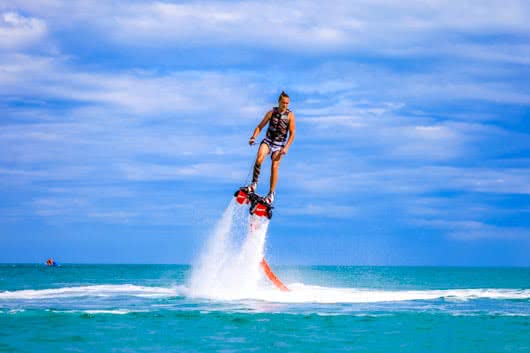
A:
x: 252, y: 140
x: 284, y: 150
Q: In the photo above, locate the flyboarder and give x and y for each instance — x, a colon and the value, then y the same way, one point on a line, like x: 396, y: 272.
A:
x: 276, y: 143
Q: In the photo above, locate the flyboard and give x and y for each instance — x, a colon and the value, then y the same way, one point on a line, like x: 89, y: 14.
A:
x: 258, y: 205
x: 260, y: 208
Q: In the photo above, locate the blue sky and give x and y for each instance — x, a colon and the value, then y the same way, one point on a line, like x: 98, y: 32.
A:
x: 124, y: 129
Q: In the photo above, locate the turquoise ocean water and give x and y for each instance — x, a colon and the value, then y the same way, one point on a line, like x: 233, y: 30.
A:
x: 152, y: 308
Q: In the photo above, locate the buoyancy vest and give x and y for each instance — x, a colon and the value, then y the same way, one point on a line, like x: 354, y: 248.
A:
x: 278, y: 125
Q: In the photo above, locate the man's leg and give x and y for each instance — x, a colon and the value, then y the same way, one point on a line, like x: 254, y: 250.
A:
x: 275, y: 166
x: 262, y: 152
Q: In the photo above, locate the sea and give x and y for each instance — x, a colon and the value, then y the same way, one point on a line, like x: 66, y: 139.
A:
x: 225, y: 302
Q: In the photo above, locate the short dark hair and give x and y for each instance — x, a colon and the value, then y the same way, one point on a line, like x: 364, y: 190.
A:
x: 283, y: 94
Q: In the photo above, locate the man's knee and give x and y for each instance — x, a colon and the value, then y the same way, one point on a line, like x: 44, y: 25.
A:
x: 261, y: 157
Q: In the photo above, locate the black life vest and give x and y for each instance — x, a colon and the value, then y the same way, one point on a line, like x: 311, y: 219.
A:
x: 278, y: 125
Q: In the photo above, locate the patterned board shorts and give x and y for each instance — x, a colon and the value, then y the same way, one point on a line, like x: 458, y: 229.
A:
x: 273, y: 145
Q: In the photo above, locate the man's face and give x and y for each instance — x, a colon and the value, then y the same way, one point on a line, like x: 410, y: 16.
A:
x: 283, y: 103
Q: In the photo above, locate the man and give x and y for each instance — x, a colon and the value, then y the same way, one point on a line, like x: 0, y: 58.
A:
x: 281, y: 123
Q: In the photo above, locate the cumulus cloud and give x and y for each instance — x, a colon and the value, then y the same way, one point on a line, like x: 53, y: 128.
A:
x: 339, y: 26
x: 18, y: 31
x: 136, y: 92
x: 367, y: 82
x: 386, y: 27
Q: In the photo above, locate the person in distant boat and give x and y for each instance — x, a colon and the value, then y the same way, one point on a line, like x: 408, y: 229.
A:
x: 279, y: 137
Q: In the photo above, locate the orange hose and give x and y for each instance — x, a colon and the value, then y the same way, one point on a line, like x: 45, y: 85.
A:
x: 270, y: 275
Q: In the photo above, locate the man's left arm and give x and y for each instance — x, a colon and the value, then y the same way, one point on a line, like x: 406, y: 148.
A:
x: 292, y: 131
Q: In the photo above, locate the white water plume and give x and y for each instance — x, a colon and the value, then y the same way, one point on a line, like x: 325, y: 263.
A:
x: 229, y: 265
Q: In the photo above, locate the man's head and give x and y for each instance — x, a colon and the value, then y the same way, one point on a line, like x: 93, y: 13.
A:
x: 283, y: 101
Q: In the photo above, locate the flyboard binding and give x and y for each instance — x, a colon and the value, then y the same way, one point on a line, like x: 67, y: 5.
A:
x: 258, y: 205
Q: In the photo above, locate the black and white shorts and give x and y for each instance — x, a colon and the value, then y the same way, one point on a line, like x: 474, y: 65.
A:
x: 274, y: 146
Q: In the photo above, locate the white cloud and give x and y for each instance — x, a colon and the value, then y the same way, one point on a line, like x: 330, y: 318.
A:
x: 431, y: 88
x: 17, y: 175
x: 220, y: 172
x: 356, y: 132
x: 124, y: 109
x: 306, y: 26
x: 17, y: 31
x: 214, y: 23
x: 474, y: 230
x: 386, y: 27
x: 382, y: 130
x: 496, y: 52
x: 323, y: 177
x: 113, y: 202
x: 458, y: 81
x: 116, y: 204
x: 135, y: 92
x: 322, y: 209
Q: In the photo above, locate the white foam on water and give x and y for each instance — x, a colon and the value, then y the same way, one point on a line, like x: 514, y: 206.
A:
x: 107, y: 290
x: 99, y: 311
x: 16, y: 311
x: 301, y: 293
x: 111, y: 312
x: 264, y: 291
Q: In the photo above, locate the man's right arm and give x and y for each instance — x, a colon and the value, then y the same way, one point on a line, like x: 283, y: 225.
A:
x: 260, y: 126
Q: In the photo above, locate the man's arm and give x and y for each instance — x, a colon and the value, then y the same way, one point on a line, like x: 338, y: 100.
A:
x: 292, y: 131
x: 260, y: 126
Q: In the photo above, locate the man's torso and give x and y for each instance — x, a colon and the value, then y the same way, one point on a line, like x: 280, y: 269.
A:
x: 278, y: 125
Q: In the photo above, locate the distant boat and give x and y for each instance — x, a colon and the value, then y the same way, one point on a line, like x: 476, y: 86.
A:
x: 51, y: 262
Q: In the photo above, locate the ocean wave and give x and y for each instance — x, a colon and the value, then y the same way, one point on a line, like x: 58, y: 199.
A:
x: 299, y: 293
x: 489, y: 313
x: 93, y: 291
x: 102, y: 311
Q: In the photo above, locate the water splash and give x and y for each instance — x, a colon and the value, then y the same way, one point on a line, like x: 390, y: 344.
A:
x: 228, y: 267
